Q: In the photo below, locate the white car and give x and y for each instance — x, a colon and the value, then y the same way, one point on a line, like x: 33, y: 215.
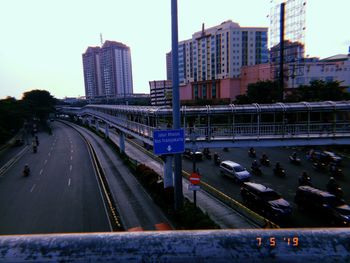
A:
x: 235, y: 170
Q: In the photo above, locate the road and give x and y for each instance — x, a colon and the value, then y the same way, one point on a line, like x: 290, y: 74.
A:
x: 60, y: 196
x: 285, y: 186
x: 135, y: 207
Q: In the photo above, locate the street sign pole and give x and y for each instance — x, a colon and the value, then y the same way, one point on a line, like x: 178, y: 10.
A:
x: 176, y: 104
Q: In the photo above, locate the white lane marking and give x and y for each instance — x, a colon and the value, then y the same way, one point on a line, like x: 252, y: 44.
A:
x: 45, y: 162
x: 51, y: 148
x: 31, y: 190
x: 71, y: 158
x: 69, y: 182
x: 71, y: 151
x: 49, y: 154
x: 70, y: 167
x: 41, y: 171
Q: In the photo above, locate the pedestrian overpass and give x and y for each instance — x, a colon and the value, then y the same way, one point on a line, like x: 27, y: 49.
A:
x: 279, y: 124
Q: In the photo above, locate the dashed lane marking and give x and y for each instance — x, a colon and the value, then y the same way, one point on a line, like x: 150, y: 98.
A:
x: 69, y: 182
x: 41, y: 171
x: 71, y: 158
x: 31, y: 190
x: 70, y: 167
x: 49, y: 154
x: 45, y: 162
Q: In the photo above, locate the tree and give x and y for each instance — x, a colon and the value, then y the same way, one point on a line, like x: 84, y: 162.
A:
x: 38, y: 103
x: 262, y: 92
x: 319, y: 90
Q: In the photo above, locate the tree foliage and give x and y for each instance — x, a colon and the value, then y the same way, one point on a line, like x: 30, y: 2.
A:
x: 35, y: 103
x: 38, y: 103
x: 319, y: 90
x: 261, y: 92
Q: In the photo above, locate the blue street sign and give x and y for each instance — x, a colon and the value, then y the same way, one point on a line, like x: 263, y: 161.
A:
x: 168, y: 141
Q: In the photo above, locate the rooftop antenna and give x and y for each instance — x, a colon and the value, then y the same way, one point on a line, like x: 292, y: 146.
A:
x: 203, y: 33
x: 101, y: 39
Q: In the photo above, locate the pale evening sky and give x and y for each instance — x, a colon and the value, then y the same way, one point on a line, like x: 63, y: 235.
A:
x: 42, y: 40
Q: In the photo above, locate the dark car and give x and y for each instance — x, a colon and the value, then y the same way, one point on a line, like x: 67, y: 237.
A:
x: 266, y: 201
x: 324, y: 204
x: 189, y: 154
x: 325, y: 157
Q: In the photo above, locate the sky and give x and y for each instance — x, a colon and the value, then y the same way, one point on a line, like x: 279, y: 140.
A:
x: 42, y: 41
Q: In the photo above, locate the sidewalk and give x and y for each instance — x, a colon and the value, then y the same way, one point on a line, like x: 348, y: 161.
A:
x: 223, y: 215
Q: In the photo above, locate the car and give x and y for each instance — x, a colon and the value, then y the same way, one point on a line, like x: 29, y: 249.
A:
x: 265, y: 201
x: 324, y: 204
x: 235, y: 170
x: 189, y: 154
x: 325, y: 157
x: 332, y: 157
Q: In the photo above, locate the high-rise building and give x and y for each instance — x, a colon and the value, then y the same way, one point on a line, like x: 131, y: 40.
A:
x: 219, y: 52
x: 169, y: 66
x: 116, y: 71
x: 92, y: 74
x: 107, y: 70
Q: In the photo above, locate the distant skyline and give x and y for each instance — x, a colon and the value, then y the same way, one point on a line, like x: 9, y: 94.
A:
x: 42, y: 41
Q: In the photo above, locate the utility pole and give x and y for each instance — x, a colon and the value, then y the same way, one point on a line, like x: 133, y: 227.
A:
x: 176, y: 104
x: 281, y: 77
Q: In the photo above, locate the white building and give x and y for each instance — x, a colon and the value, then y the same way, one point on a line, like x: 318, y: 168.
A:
x: 335, y: 68
x: 219, y: 52
x: 161, y: 92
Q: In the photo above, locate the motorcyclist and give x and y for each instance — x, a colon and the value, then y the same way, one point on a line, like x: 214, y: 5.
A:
x: 255, y: 165
x: 294, y: 155
x: 26, y: 170
x: 304, y: 179
x: 278, y: 166
x: 216, y: 157
x: 264, y: 156
x: 252, y: 150
x: 332, y: 185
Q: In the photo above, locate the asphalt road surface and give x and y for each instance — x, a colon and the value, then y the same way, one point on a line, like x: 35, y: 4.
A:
x: 285, y: 186
x: 61, y: 195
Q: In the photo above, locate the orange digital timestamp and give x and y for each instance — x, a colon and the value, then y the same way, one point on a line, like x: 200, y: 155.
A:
x: 273, y: 241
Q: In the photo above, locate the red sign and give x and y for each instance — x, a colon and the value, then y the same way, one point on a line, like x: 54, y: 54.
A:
x: 195, y: 178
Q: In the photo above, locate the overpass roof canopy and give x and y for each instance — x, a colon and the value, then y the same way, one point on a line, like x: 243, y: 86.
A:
x: 324, y: 106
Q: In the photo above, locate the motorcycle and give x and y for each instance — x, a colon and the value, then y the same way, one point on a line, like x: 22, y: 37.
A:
x: 217, y: 160
x: 26, y: 172
x: 305, y: 181
x: 293, y: 160
x: 265, y: 161
x: 252, y: 154
x: 335, y: 171
x: 279, y: 172
x: 335, y: 190
x: 256, y: 171
x: 206, y: 153
x: 319, y: 166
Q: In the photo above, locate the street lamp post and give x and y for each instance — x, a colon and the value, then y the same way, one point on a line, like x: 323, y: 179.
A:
x: 176, y: 105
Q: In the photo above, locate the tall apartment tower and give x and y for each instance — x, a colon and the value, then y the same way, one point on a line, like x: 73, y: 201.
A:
x: 219, y: 52
x: 92, y: 73
x: 107, y: 70
x: 116, y: 70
